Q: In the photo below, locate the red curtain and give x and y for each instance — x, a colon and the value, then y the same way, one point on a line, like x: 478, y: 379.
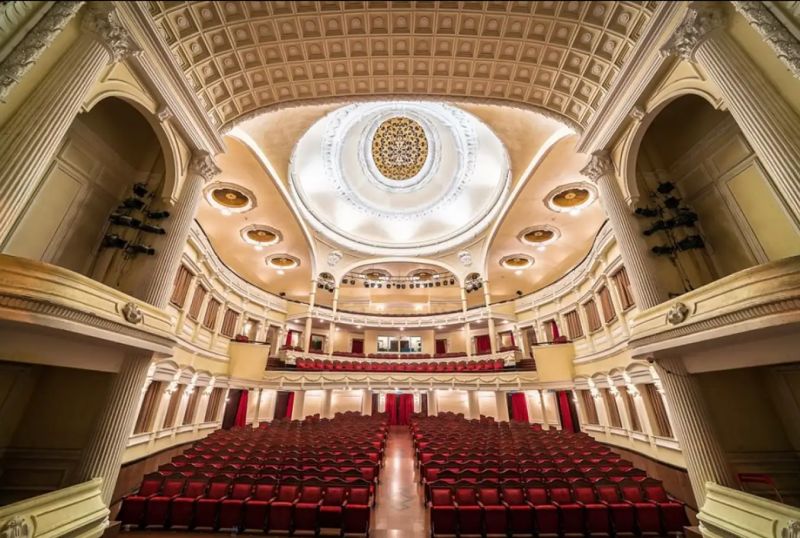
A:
x: 391, y: 408
x: 565, y: 411
x: 290, y: 405
x: 441, y: 346
x: 357, y: 346
x: 288, y: 338
x: 241, y: 411
x: 519, y: 407
x: 554, y: 330
x: 483, y: 344
x: 405, y: 408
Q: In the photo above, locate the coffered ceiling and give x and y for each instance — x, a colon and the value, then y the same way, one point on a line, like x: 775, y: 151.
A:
x: 559, y: 57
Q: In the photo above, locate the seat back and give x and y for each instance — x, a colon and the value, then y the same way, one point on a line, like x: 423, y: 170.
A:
x: 560, y: 492
x: 241, y: 489
x: 536, y: 494
x: 607, y: 491
x: 465, y: 496
x: 311, y: 494
x: 584, y: 492
x: 218, y: 489
x: 334, y: 496
x: 150, y: 484
x: 288, y: 492
x: 358, y: 496
x: 441, y: 497
x: 654, y: 491
x: 489, y: 496
x: 513, y: 495
x: 264, y: 491
x: 631, y: 491
x: 172, y: 486
x: 195, y: 487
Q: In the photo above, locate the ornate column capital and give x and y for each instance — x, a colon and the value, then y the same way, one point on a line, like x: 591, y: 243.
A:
x: 101, y: 21
x: 600, y: 164
x: 703, y: 19
x: 785, y: 45
x: 203, y: 165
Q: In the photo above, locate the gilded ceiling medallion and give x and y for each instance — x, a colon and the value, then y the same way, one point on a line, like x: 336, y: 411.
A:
x: 571, y: 198
x: 283, y: 261
x: 539, y: 236
x: 260, y: 236
x: 399, y: 148
x: 230, y: 198
x: 516, y: 261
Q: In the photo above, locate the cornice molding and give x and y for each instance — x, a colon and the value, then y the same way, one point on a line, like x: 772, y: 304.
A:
x: 158, y: 66
x: 638, y: 73
x: 390, y: 381
x: 770, y: 28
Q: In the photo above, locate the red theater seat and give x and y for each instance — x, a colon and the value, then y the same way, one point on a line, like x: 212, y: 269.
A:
x: 596, y: 514
x: 495, y: 516
x: 306, y: 509
x: 207, y: 507
x: 570, y: 512
x: 330, y: 510
x: 230, y: 510
x: 469, y: 512
x: 355, y: 515
x: 280, y: 511
x: 648, y: 520
x: 133, y: 506
x: 181, y: 512
x: 545, y: 512
x: 257, y: 507
x: 673, y: 513
x: 443, y: 511
x: 623, y: 517
x: 158, y: 505
x: 520, y: 511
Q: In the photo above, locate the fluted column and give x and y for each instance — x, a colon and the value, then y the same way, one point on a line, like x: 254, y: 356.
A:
x: 467, y: 332
x: 325, y: 408
x: 297, y: 405
x: 770, y: 125
x: 36, y: 130
x: 502, y: 405
x: 258, y: 408
x: 161, y: 277
x: 332, y: 326
x: 433, y: 405
x: 705, y: 458
x: 636, y: 257
x: 366, y: 403
x: 102, y: 455
x: 474, y: 404
x: 307, y: 331
x: 490, y: 323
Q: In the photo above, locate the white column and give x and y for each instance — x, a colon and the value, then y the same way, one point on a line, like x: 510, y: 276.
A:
x: 502, y: 405
x: 636, y: 257
x: 543, y: 408
x: 161, y: 275
x: 325, y: 410
x: 366, y: 402
x: 492, y: 331
x: 258, y: 407
x: 307, y: 332
x: 433, y: 405
x: 35, y: 131
x: 101, y: 457
x: 474, y: 404
x: 705, y: 458
x: 467, y: 331
x: 269, y: 413
x: 332, y: 327
x: 770, y: 125
x: 297, y: 405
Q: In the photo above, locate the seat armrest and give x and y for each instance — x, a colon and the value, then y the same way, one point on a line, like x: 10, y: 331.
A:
x: 505, y: 504
x: 580, y: 503
x: 481, y: 505
x: 319, y: 502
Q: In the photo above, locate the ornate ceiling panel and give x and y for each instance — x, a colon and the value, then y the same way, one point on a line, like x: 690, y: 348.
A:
x: 560, y: 57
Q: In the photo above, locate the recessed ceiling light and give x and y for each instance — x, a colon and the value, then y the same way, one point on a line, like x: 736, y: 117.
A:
x: 518, y: 272
x: 280, y: 271
x: 259, y: 247
x: 541, y: 249
x: 225, y: 213
x: 575, y: 212
x: 358, y: 326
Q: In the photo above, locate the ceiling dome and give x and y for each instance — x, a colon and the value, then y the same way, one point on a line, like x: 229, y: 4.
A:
x: 399, y: 178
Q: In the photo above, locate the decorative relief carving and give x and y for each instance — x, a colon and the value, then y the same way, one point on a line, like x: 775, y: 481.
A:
x: 701, y: 21
x: 203, y: 165
x: 132, y: 314
x: 399, y: 148
x: 599, y: 165
x: 638, y: 112
x: 34, y: 44
x: 785, y: 45
x: 102, y: 21
x: 792, y: 530
x: 677, y: 314
x: 164, y: 113
x: 17, y: 527
x: 334, y: 257
x: 465, y: 257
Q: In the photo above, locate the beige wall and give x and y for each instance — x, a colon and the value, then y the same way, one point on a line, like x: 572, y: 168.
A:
x: 456, y: 340
x: 371, y: 338
x: 454, y: 401
x: 346, y: 400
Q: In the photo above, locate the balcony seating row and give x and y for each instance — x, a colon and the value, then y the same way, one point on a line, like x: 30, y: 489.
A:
x: 286, y: 477
x: 483, y: 477
x: 365, y: 366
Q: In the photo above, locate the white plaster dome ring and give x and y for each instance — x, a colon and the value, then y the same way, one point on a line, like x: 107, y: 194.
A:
x: 454, y: 193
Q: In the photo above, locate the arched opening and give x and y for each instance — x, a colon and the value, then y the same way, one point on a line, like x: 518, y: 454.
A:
x: 97, y: 211
x: 706, y: 206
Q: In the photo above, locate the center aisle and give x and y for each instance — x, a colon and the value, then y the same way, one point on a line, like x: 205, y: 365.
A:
x: 400, y: 512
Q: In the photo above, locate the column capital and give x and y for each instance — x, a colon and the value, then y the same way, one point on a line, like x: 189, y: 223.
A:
x: 599, y: 165
x: 203, y: 165
x: 701, y: 21
x: 101, y: 20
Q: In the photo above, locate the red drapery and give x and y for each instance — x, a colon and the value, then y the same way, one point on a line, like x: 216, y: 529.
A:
x: 554, y: 329
x: 564, y: 411
x: 288, y: 341
x: 357, y: 346
x: 441, y: 346
x: 241, y: 411
x: 289, y: 405
x: 519, y: 407
x: 399, y: 408
x: 483, y: 344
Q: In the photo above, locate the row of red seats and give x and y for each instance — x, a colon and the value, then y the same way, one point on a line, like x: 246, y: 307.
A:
x: 572, y: 483
x: 358, y: 366
x: 267, y: 478
x: 245, y: 504
x: 557, y: 509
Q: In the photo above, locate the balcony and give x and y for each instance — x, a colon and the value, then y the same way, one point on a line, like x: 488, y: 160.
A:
x: 247, y: 360
x: 729, y: 512
x: 555, y: 362
x: 77, y: 510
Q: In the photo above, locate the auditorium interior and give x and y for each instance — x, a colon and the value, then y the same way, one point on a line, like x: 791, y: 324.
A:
x: 400, y: 269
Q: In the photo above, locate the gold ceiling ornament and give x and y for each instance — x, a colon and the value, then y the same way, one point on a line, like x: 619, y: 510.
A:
x: 539, y: 236
x: 283, y: 261
x: 571, y: 198
x: 399, y: 148
x: 516, y: 261
x: 261, y: 236
x: 229, y: 197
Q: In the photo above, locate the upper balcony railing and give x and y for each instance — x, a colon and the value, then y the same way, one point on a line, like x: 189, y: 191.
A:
x: 405, y: 321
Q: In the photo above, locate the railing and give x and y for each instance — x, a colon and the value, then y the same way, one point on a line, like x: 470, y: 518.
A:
x: 78, y: 510
x: 405, y: 321
x: 732, y: 513
x: 509, y: 358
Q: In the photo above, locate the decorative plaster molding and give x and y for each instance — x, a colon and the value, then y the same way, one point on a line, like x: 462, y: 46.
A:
x: 677, y: 314
x: 769, y: 27
x: 132, y: 314
x: 204, y: 165
x: 164, y: 113
x: 702, y: 20
x: 389, y: 381
x: 28, y: 51
x: 102, y: 21
x: 638, y: 112
x: 334, y: 257
x: 465, y: 257
x: 599, y: 165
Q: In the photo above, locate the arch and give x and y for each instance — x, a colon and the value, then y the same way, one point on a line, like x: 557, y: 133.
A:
x: 166, y: 140
x: 401, y: 259
x: 630, y: 151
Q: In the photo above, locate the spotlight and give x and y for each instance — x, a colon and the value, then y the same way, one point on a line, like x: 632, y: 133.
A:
x: 141, y: 249
x: 157, y: 215
x: 352, y: 282
x: 133, y: 203
x: 452, y: 281
x: 438, y: 283
x: 319, y: 286
x: 519, y: 292
x: 140, y: 189
x: 380, y: 285
x: 149, y: 228
x: 366, y: 284
x: 114, y: 241
x: 282, y: 294
x: 124, y: 220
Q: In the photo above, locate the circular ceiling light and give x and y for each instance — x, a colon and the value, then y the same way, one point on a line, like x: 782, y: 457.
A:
x: 571, y: 198
x: 399, y: 148
x: 261, y: 236
x: 516, y: 261
x: 229, y: 198
x: 539, y: 236
x: 283, y: 262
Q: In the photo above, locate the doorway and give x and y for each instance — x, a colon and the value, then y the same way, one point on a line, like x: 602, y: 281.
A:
x: 399, y: 408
